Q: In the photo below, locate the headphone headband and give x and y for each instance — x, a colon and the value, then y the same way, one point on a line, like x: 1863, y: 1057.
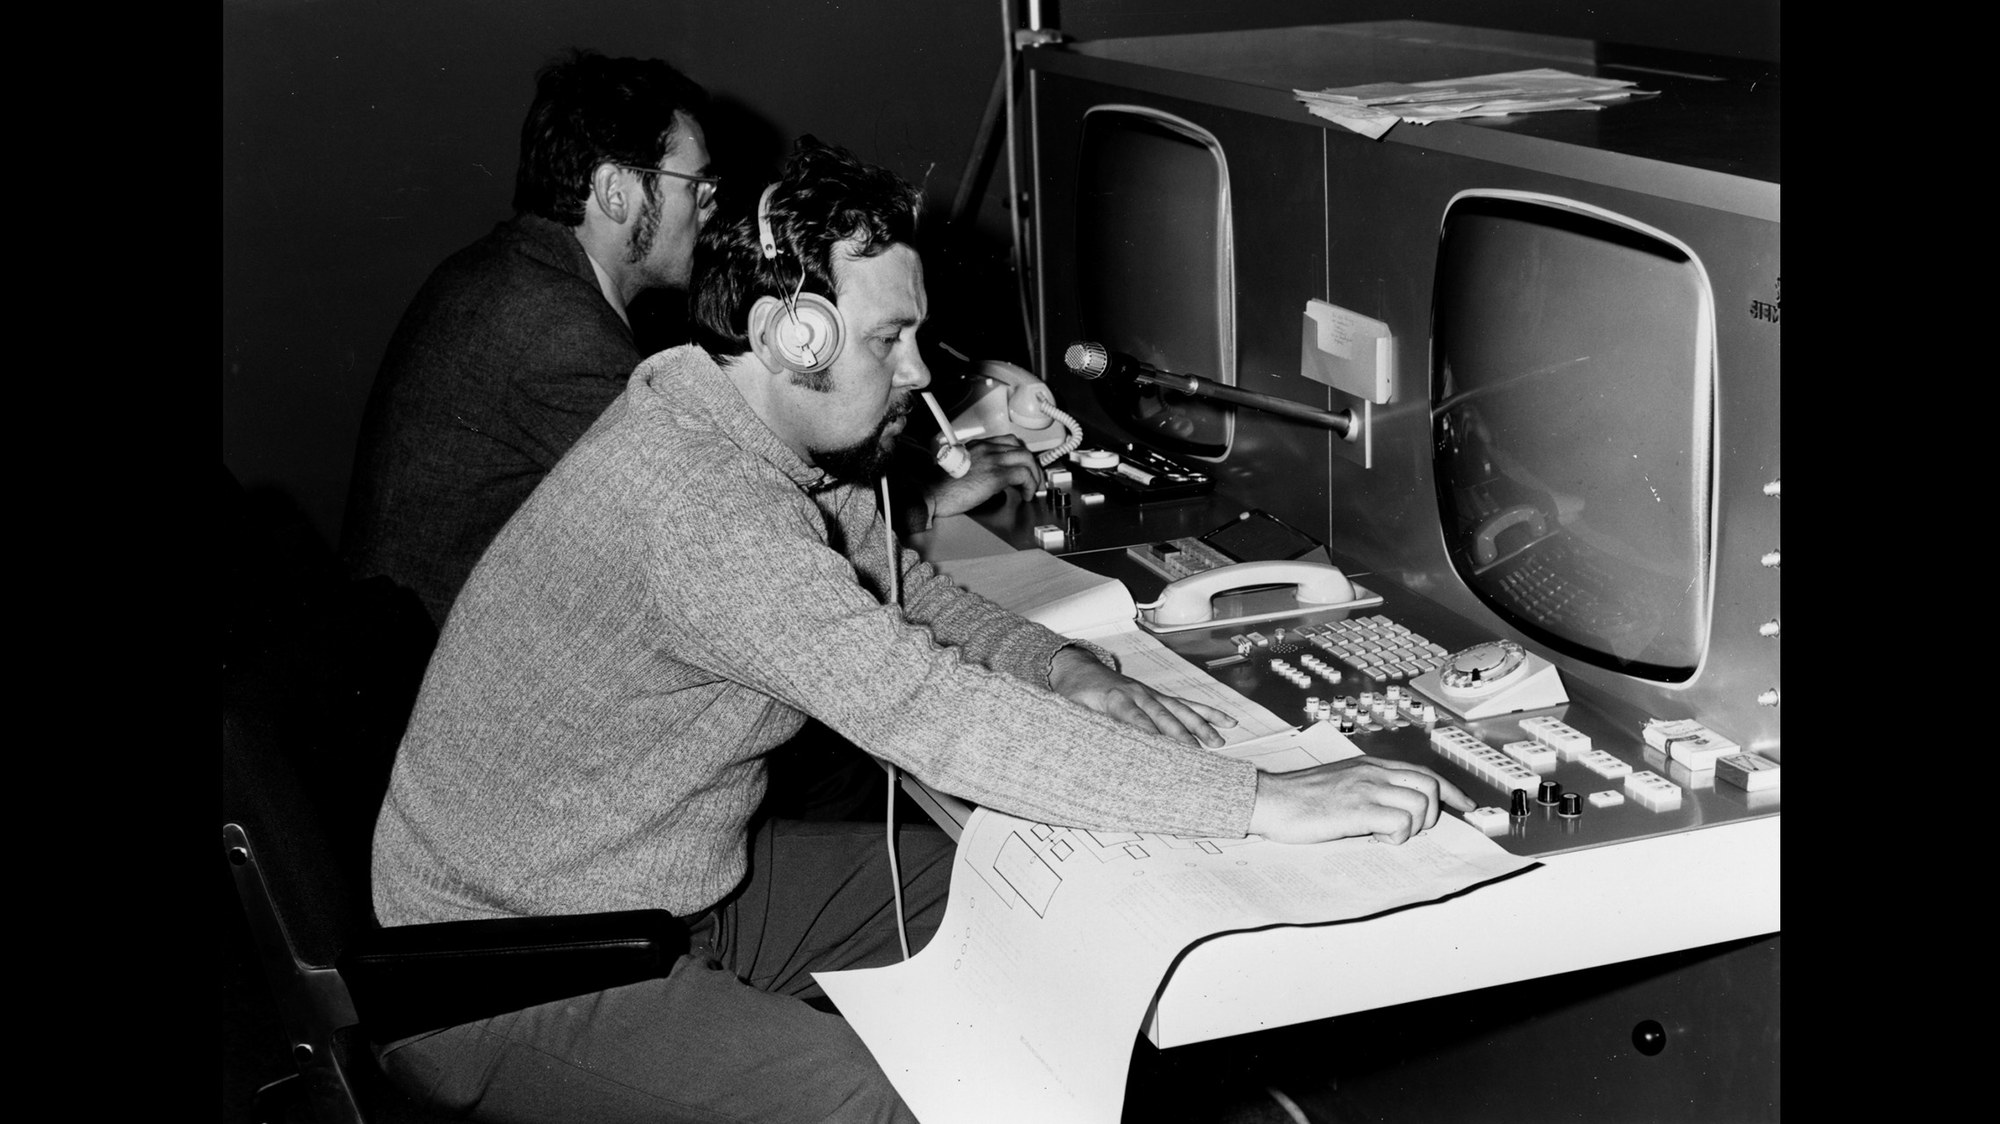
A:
x: 764, y: 236
x: 808, y: 335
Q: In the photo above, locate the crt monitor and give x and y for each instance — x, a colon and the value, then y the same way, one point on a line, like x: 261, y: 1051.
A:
x: 1155, y: 260
x: 1572, y: 398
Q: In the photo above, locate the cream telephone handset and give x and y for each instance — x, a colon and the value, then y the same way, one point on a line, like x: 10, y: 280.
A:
x: 1191, y: 601
x: 1005, y: 399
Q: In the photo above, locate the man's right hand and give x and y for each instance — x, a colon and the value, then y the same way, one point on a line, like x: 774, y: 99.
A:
x: 1390, y: 800
x: 997, y: 463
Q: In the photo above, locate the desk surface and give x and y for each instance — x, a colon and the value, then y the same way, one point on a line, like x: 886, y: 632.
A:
x: 1627, y: 884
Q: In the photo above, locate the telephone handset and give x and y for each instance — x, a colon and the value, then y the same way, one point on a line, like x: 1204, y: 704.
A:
x: 1190, y: 602
x: 1006, y: 399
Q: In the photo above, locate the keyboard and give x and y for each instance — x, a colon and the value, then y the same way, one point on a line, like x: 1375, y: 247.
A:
x: 1377, y: 647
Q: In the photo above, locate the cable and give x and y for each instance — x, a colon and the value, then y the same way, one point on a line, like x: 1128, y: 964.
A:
x: 894, y: 774
x: 1069, y: 443
x: 895, y: 871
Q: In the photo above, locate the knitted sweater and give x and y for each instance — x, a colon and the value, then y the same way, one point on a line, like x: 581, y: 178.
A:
x: 663, y: 611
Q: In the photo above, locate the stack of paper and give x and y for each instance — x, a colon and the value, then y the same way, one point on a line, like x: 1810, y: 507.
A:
x: 1372, y: 109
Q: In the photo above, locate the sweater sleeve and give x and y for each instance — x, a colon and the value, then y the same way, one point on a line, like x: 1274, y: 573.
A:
x: 753, y: 592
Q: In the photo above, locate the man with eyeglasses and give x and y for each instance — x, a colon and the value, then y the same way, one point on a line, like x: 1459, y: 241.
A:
x: 517, y: 343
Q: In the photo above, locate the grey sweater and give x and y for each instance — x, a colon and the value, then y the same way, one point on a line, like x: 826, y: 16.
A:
x: 663, y: 611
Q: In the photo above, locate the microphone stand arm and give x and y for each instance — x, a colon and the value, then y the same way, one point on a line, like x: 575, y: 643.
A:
x: 1341, y: 423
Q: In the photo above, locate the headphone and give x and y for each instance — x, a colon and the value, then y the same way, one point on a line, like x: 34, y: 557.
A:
x: 807, y: 336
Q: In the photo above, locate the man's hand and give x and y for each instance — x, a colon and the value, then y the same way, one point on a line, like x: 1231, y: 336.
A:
x: 1078, y: 676
x: 997, y: 462
x: 1390, y: 800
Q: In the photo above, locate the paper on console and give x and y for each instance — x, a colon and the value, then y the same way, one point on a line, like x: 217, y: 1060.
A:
x: 1026, y: 1003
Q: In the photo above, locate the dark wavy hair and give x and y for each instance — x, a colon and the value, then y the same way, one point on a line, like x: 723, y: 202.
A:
x: 825, y: 197
x: 591, y: 110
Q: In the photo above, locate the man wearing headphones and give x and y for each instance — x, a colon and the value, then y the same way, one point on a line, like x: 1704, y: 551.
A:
x: 703, y: 570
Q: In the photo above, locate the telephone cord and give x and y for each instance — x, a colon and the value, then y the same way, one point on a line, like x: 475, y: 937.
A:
x: 1069, y: 443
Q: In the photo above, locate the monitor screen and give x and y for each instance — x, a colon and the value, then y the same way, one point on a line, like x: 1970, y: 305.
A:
x: 1155, y: 269
x: 1572, y: 417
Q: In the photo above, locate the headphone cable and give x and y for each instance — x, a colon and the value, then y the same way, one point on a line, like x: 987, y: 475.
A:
x: 894, y: 775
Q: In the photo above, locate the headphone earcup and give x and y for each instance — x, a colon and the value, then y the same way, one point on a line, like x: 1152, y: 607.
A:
x: 806, y: 334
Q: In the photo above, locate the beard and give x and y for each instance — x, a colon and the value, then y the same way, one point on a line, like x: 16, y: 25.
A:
x: 647, y: 229
x: 864, y: 460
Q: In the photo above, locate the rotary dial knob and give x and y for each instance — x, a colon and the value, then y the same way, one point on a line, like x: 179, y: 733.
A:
x: 1481, y: 665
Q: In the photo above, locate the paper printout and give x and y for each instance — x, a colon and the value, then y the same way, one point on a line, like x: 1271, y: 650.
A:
x: 1027, y: 1002
x: 1373, y: 109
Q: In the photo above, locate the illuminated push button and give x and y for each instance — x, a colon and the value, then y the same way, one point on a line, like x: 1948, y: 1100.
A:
x: 1572, y: 805
x: 1748, y: 771
x: 1609, y: 798
x: 1605, y: 764
x: 1492, y: 821
x: 1534, y: 755
x: 1653, y: 791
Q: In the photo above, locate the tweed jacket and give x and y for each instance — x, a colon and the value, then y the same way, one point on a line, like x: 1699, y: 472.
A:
x: 504, y: 358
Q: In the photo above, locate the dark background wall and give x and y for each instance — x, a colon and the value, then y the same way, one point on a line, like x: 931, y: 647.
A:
x: 365, y: 140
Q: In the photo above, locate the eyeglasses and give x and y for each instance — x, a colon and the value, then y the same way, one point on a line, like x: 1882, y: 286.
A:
x: 705, y: 185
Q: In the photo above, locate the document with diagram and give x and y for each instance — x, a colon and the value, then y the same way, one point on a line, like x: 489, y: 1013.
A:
x: 1027, y: 1002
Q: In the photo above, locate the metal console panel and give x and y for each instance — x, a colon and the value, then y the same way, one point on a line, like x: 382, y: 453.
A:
x: 1324, y: 214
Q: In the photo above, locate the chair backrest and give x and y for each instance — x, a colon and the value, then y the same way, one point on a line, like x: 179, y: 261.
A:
x: 318, y: 679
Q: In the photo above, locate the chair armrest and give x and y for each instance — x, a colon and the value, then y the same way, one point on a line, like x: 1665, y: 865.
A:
x: 412, y: 978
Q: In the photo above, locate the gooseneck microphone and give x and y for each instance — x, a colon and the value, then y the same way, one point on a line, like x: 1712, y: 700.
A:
x: 1087, y: 359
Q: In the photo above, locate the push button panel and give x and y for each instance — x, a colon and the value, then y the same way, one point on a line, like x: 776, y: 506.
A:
x: 1612, y: 779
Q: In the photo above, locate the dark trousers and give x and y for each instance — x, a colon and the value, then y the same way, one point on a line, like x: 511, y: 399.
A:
x: 728, y: 1035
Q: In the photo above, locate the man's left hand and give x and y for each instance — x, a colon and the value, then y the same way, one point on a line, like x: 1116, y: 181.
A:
x: 1078, y: 676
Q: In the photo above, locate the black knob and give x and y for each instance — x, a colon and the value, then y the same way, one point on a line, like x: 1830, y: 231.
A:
x: 1572, y: 805
x: 1520, y: 805
x: 1551, y: 792
x: 1649, y: 1038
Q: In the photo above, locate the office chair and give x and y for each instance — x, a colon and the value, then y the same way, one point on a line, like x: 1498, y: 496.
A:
x: 319, y: 675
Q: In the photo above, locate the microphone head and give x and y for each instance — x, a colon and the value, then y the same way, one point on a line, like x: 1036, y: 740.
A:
x: 1086, y: 359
